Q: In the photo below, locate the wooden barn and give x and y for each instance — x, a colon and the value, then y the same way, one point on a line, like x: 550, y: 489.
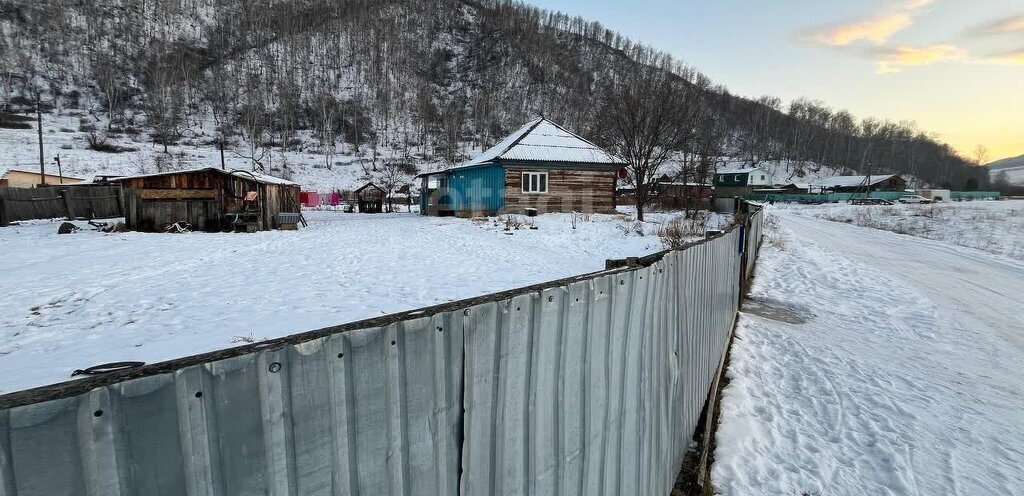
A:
x: 209, y: 200
x: 541, y: 167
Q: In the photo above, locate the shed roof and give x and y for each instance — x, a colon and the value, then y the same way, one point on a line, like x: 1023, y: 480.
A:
x: 368, y: 186
x: 747, y: 170
x: 255, y: 176
x: 5, y: 172
x: 850, y: 181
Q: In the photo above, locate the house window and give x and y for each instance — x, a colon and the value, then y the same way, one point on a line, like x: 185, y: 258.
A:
x: 535, y: 182
x: 762, y: 177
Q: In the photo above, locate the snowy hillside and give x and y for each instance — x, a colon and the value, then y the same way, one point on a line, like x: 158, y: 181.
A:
x: 1010, y: 168
x: 420, y: 81
x: 61, y: 136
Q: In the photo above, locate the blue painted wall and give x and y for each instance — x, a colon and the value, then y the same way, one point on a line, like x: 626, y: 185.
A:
x: 477, y: 189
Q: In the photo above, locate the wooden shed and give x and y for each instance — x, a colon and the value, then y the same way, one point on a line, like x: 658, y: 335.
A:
x: 207, y: 199
x: 370, y: 198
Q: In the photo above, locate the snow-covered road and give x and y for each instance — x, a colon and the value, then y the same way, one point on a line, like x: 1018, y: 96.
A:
x: 873, y: 363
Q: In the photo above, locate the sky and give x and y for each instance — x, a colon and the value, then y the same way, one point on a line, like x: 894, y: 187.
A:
x: 954, y: 67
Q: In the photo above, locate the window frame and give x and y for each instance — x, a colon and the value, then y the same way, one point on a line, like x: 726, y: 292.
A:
x: 526, y: 183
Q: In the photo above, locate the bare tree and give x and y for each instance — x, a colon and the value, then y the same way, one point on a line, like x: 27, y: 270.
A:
x: 392, y: 176
x: 221, y: 96
x: 164, y: 102
x: 326, y: 108
x: 980, y: 155
x: 112, y: 82
x: 639, y: 119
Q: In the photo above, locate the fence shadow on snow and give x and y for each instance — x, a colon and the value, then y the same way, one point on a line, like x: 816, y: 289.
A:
x: 587, y: 385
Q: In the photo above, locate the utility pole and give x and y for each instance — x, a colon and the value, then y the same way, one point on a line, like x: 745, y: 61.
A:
x: 39, y: 124
x: 869, y: 180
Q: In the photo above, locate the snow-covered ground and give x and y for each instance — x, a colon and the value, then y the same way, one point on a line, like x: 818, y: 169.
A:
x: 872, y: 363
x: 992, y: 226
x: 72, y: 301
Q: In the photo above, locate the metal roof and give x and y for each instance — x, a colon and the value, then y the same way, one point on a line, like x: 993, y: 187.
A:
x: 850, y: 181
x: 541, y: 140
x: 256, y: 176
x: 739, y: 171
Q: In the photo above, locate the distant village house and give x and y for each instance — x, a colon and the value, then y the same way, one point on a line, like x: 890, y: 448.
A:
x: 740, y: 181
x: 27, y: 179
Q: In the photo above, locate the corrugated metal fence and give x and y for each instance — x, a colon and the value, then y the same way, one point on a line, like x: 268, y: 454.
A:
x: 591, y: 385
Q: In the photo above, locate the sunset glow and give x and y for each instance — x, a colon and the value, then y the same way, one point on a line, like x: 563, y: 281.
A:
x: 954, y: 68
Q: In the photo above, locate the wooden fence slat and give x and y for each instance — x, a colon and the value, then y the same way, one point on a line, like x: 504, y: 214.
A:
x: 51, y: 202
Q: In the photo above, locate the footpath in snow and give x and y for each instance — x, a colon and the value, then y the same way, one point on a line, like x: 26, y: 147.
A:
x: 868, y: 362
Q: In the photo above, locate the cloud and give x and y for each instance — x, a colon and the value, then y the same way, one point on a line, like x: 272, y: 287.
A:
x: 875, y: 30
x: 917, y: 4
x: 1005, y: 25
x: 895, y: 59
x: 1012, y: 57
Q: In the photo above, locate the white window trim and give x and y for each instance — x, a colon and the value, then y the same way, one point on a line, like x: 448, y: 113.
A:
x: 524, y: 179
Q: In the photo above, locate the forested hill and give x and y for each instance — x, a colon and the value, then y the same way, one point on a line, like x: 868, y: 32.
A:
x: 425, y: 79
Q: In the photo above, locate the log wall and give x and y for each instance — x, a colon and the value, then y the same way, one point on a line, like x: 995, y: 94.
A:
x: 568, y: 190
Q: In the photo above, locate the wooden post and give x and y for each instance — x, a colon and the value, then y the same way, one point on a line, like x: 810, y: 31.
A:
x: 67, y: 204
x: 3, y: 211
x: 120, y: 203
x: 39, y: 124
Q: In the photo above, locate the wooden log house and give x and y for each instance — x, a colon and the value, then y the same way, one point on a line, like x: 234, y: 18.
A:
x: 542, y: 167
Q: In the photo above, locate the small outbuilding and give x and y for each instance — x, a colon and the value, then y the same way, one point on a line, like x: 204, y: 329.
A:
x: 673, y: 193
x: 208, y: 199
x: 542, y: 167
x: 13, y: 178
x: 370, y: 198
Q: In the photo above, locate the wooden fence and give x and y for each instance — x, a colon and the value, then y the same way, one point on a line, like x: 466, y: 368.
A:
x: 67, y: 201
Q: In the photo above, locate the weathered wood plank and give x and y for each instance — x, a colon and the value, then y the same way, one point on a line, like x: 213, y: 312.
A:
x: 182, y: 194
